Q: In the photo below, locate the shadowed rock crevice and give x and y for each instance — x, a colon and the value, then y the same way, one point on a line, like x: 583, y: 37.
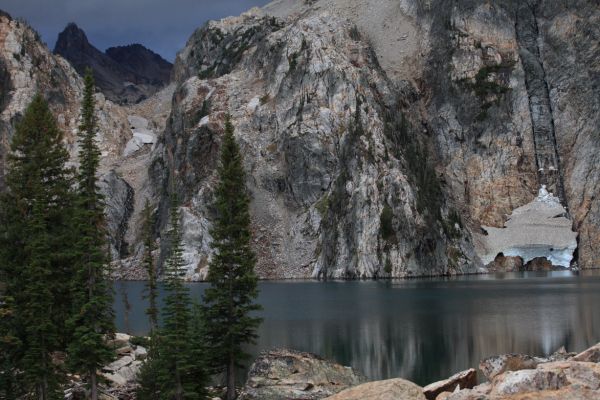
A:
x: 546, y: 149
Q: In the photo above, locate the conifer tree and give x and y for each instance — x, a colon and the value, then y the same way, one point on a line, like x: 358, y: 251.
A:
x: 10, y: 349
x: 230, y: 299
x: 34, y: 253
x: 92, y: 320
x: 176, y: 311
x: 175, y: 368
x: 148, y: 264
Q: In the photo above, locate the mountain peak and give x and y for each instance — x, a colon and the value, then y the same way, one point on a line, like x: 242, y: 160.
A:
x: 71, y: 36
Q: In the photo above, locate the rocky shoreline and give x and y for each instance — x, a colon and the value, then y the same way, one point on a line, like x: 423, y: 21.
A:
x: 294, y: 375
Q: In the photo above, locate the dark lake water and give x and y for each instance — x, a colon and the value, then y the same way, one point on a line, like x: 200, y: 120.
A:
x: 422, y: 330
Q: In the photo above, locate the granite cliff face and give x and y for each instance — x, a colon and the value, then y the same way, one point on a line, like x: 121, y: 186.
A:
x: 379, y: 136
x: 125, y: 74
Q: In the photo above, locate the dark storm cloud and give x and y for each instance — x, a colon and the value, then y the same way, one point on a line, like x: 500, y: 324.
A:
x: 162, y: 25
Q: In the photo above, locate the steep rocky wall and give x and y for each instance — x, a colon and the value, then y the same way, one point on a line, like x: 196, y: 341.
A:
x: 27, y: 67
x: 338, y: 168
x: 570, y: 52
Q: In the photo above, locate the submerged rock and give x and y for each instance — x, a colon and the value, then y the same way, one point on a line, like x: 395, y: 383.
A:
x: 289, y: 374
x: 536, y: 231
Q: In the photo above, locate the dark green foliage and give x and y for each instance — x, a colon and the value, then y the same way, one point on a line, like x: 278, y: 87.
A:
x: 35, y: 256
x: 388, y: 266
x: 92, y: 318
x: 148, y: 263
x: 175, y: 365
x: 449, y: 224
x: 140, y: 341
x: 484, y: 86
x: 421, y: 170
x: 386, y: 227
x: 230, y: 299
x: 10, y: 351
x: 293, y: 61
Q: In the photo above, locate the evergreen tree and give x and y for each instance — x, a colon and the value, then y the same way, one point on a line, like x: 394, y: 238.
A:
x: 229, y: 301
x: 176, y: 312
x: 175, y: 369
x: 35, y: 256
x: 197, y: 377
x: 41, y: 332
x: 92, y: 320
x: 10, y: 349
x: 148, y: 263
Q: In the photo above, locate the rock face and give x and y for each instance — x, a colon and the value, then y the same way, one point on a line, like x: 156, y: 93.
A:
x: 27, y: 67
x: 126, y: 74
x: 288, y: 374
x: 539, y: 229
x: 378, y: 136
x: 392, y: 389
x: 336, y: 161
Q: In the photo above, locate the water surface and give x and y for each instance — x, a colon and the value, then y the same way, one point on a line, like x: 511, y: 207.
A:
x: 422, y: 330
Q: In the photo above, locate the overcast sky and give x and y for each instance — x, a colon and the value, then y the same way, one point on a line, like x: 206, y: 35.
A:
x: 161, y: 25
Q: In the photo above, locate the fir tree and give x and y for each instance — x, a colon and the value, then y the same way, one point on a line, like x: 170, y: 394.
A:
x: 175, y: 368
x: 197, y: 376
x: 176, y: 312
x: 35, y: 256
x: 229, y: 301
x: 148, y: 263
x: 10, y: 349
x: 92, y: 319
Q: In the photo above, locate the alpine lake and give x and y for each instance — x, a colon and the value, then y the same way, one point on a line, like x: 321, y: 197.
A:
x: 423, y: 330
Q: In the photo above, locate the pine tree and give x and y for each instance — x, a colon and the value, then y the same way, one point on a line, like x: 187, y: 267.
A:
x: 41, y: 332
x: 175, y: 368
x: 35, y: 257
x: 10, y: 352
x: 148, y: 263
x: 197, y: 377
x: 92, y: 320
x: 176, y: 311
x: 229, y: 301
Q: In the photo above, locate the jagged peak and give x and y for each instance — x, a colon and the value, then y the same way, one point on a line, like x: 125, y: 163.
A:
x: 72, y: 34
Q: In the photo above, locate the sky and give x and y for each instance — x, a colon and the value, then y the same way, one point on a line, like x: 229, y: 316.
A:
x: 161, y: 25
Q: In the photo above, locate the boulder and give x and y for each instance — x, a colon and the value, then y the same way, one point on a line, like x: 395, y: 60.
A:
x: 288, y: 374
x: 464, y: 380
x: 528, y: 380
x: 391, y: 389
x: 120, y: 340
x: 140, y: 353
x: 567, y: 393
x: 493, y: 366
x: 590, y: 355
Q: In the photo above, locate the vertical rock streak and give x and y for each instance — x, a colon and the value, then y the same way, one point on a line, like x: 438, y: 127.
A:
x: 544, y: 136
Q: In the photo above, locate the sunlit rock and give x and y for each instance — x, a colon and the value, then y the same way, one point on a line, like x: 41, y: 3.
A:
x: 540, y: 229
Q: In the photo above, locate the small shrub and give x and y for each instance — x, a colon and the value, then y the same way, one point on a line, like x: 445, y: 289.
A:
x: 388, y: 266
x: 386, y: 227
x: 140, y: 341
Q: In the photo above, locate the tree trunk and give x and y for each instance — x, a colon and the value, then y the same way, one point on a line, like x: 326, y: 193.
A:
x: 231, y: 378
x: 93, y: 385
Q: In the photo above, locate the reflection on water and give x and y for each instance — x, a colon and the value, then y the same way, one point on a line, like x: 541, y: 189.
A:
x: 422, y: 330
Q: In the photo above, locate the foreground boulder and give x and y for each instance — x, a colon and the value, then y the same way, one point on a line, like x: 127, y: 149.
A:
x: 391, y: 389
x: 463, y: 380
x: 493, y: 366
x: 289, y: 374
x: 520, y: 377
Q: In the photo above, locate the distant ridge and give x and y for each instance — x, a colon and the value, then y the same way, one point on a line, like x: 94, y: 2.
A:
x: 125, y: 74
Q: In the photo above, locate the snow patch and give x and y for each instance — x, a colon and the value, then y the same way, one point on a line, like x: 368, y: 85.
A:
x: 538, y: 229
